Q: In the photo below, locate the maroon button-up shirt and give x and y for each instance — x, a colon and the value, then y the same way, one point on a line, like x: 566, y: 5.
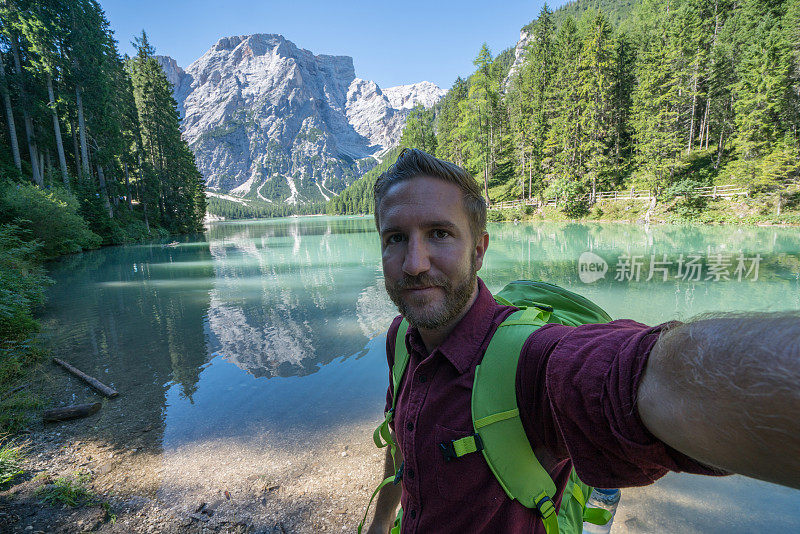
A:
x: 576, y: 390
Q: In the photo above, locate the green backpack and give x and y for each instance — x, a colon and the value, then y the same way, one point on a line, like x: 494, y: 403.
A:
x: 499, y: 434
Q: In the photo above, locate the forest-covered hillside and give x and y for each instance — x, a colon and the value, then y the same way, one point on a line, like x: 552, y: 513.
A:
x: 678, y: 95
x: 617, y: 11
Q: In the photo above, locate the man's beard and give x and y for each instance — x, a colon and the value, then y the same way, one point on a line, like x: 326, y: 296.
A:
x: 430, y: 316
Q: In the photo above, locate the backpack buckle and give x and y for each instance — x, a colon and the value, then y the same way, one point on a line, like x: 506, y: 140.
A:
x: 457, y: 448
x: 545, y: 506
x: 448, y: 451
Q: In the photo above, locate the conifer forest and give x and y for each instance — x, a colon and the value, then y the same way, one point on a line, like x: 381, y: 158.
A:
x: 90, y: 154
x: 661, y: 95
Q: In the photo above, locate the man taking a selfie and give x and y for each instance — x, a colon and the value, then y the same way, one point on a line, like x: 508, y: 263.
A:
x: 620, y: 402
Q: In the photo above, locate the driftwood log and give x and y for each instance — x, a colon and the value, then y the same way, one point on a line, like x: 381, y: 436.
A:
x: 95, y: 383
x: 70, y: 412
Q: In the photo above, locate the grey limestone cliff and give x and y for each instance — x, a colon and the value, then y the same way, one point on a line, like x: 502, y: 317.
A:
x: 268, y: 120
x: 519, y: 56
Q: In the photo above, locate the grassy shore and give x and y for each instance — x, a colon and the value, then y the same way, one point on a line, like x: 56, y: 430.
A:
x: 756, y: 210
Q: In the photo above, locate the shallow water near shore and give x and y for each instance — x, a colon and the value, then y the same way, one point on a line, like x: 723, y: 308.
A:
x: 255, y: 351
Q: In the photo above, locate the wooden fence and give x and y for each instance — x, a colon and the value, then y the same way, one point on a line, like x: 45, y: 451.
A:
x: 714, y: 191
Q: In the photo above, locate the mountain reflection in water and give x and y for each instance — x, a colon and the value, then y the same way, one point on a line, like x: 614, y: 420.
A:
x: 288, y: 298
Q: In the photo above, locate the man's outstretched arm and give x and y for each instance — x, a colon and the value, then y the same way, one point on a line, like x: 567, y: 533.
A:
x: 726, y: 391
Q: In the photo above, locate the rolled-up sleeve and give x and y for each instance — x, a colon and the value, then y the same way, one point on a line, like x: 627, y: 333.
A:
x: 583, y: 382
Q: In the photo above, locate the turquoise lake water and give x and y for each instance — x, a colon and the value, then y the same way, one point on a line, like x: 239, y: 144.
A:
x: 275, y: 327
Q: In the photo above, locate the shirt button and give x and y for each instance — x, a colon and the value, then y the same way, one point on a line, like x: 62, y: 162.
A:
x: 412, y: 514
x: 410, y: 427
x: 410, y: 473
x: 423, y: 379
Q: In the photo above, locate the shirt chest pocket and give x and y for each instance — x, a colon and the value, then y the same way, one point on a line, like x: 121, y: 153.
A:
x: 461, y: 479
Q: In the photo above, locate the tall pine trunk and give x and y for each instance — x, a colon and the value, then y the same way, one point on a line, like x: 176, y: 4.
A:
x: 62, y: 160
x: 719, y: 151
x: 104, y: 191
x: 82, y: 129
x: 530, y: 180
x: 26, y: 119
x: 704, y: 126
x: 12, y: 129
x: 694, y: 100
x: 32, y: 149
x: 128, y: 188
x: 75, y: 150
x: 711, y: 54
x: 486, y: 184
x: 141, y: 193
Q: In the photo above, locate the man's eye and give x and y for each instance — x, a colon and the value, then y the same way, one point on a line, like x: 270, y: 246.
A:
x: 440, y: 234
x: 394, y: 238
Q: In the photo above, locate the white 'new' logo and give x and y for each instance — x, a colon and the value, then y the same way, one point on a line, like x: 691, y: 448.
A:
x: 591, y: 267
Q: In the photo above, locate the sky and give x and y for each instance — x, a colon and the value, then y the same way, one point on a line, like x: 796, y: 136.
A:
x: 392, y: 43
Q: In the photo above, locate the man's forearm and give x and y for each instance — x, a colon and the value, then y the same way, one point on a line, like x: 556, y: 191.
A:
x: 726, y: 392
x: 388, y: 498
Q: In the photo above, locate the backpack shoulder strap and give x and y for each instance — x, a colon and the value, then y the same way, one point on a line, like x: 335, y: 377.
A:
x: 382, y: 435
x: 495, y: 417
x: 401, y: 357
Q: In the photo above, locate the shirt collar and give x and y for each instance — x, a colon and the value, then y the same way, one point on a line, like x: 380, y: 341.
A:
x: 462, y: 346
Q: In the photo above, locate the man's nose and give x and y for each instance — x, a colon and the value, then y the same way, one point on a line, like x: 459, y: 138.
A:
x: 416, y: 260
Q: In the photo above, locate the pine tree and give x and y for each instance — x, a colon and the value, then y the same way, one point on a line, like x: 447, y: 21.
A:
x: 563, y: 150
x: 41, y: 27
x: 529, y: 102
x: 418, y: 131
x: 622, y: 90
x: 175, y: 185
x: 450, y: 143
x: 765, y: 102
x: 477, y: 125
x: 596, y: 84
x: 657, y: 101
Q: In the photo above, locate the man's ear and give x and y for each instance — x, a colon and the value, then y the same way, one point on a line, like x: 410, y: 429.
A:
x: 480, y: 249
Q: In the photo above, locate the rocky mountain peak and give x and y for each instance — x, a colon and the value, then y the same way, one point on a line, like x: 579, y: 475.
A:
x: 173, y: 72
x: 408, y: 96
x: 270, y: 121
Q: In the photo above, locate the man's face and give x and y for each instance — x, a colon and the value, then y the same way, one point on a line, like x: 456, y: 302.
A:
x: 430, y: 258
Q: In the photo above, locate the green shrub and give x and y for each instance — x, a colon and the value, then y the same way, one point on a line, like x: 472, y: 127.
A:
x: 494, y: 216
x: 50, y: 216
x: 574, y: 200
x: 690, y: 204
x: 22, y: 283
x: 68, y: 491
x: 10, y: 459
x: 16, y: 404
